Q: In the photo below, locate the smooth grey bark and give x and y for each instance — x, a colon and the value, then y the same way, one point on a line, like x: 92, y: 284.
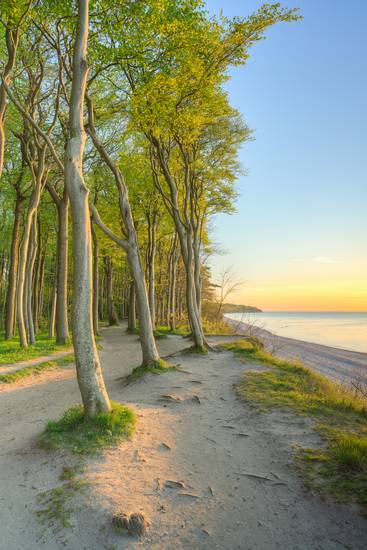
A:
x: 62, y: 322
x: 36, y: 278
x: 28, y: 287
x: 24, y: 248
x: 11, y: 41
x: 131, y: 320
x: 13, y: 266
x: 172, y: 285
x: 95, y: 281
x: 51, y: 325
x: 151, y: 252
x: 88, y: 367
x: 112, y: 315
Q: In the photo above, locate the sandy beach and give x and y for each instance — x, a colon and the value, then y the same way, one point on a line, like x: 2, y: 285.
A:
x: 338, y: 364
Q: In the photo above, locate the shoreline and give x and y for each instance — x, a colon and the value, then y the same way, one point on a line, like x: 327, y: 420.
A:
x: 340, y: 365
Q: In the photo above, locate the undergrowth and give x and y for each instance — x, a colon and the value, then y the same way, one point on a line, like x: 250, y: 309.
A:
x: 81, y: 435
x: 340, y: 418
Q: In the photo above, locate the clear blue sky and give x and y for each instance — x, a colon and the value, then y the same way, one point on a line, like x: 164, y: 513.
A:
x: 301, y: 226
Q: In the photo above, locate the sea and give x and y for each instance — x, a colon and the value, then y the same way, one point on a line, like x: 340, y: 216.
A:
x: 337, y: 329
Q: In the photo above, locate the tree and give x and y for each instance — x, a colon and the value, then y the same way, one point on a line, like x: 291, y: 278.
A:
x: 89, y: 373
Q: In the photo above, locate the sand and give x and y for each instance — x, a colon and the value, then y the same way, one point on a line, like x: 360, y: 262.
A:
x: 208, y: 471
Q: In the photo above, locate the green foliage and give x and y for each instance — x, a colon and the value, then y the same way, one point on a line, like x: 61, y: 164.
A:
x: 81, y: 435
x: 340, y: 468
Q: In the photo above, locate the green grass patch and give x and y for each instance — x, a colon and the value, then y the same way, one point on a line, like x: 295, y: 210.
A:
x: 11, y: 352
x: 181, y: 330
x: 82, y: 435
x: 156, y: 367
x: 196, y: 349
x: 13, y: 377
x: 57, y: 503
x: 339, y: 469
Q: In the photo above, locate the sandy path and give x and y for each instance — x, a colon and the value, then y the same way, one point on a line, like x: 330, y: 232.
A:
x: 207, y: 440
x: 337, y: 364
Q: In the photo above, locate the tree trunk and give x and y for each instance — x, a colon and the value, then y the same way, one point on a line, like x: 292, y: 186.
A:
x: 13, y: 268
x: 131, y: 322
x: 95, y: 281
x: 151, y: 269
x: 28, y: 288
x: 112, y: 315
x: 147, y: 341
x: 36, y: 279
x: 51, y: 326
x: 62, y: 324
x: 89, y: 372
x: 24, y: 249
x: 41, y: 287
x: 11, y: 41
x: 172, y: 285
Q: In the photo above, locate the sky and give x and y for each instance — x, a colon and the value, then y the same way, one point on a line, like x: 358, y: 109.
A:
x: 299, y: 238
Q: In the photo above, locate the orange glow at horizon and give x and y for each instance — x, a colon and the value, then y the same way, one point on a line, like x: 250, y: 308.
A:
x: 348, y: 296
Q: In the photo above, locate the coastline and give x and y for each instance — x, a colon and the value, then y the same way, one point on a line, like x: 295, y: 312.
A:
x: 340, y: 365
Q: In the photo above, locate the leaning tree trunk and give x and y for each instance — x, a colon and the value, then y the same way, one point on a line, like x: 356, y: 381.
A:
x: 62, y: 324
x: 131, y: 247
x: 147, y: 341
x: 23, y: 254
x: 13, y: 268
x: 89, y: 372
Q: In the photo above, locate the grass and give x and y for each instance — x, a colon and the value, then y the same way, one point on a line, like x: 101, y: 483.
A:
x: 11, y: 352
x: 340, y: 468
x: 57, y: 502
x: 80, y: 435
x: 158, y: 367
x: 36, y: 369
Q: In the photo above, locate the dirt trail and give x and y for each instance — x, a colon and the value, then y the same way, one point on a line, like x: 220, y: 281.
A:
x: 191, y: 467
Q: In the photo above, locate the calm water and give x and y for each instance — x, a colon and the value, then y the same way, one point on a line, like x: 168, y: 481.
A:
x: 339, y: 330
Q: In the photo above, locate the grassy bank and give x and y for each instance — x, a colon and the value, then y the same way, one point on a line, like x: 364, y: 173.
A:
x: 36, y: 369
x: 340, y: 467
x: 11, y: 352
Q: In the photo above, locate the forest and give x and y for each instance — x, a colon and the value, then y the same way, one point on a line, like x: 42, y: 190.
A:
x: 118, y: 145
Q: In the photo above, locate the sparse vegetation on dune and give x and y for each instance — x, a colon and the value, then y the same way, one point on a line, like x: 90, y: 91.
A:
x: 339, y: 468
